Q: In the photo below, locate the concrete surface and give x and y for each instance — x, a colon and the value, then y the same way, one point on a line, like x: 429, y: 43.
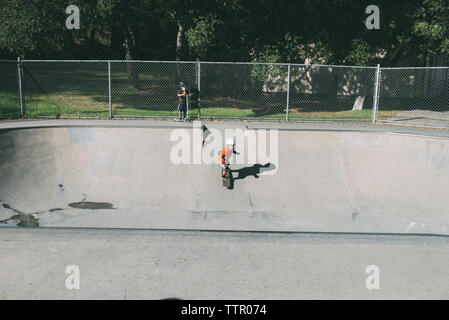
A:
x: 325, y: 180
x: 387, y: 183
x: 420, y: 118
x: 144, y: 264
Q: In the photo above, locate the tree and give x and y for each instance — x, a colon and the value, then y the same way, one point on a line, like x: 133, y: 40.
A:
x: 201, y: 36
x: 33, y: 28
x: 432, y: 28
x: 319, y: 31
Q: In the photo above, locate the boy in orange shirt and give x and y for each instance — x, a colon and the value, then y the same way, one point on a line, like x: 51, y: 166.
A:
x: 225, y: 154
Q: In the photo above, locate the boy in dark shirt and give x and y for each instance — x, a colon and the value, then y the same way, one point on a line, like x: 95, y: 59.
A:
x: 183, y: 93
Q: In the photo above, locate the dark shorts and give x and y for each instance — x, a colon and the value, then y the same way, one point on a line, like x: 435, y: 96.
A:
x: 182, y: 107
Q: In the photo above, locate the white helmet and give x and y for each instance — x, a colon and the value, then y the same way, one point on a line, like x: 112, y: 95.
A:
x: 230, y: 141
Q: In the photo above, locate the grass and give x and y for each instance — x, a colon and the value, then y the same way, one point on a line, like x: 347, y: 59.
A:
x: 9, y: 105
x: 205, y: 113
x: 68, y: 104
x: 72, y: 104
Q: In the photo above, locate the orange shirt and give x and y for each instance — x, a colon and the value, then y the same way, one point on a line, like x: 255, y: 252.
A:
x: 224, y: 153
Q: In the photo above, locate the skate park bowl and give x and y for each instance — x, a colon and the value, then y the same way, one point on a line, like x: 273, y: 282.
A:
x: 117, y: 174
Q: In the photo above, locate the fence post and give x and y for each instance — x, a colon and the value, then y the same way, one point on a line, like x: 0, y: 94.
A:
x: 376, y: 94
x: 19, y: 71
x: 199, y: 90
x: 109, y: 89
x: 288, y: 92
x: 187, y: 102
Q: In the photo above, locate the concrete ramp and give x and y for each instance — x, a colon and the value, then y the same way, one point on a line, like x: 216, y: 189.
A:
x: 320, y: 181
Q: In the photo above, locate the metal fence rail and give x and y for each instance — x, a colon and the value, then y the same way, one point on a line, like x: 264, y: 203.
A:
x: 221, y: 90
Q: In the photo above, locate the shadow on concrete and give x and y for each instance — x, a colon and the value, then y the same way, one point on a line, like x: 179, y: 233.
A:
x: 254, y: 171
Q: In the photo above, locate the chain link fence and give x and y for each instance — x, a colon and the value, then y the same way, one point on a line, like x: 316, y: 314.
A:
x: 9, y: 89
x: 65, y: 89
x: 332, y: 93
x: 243, y: 90
x: 418, y: 96
x: 259, y: 91
x: 149, y: 89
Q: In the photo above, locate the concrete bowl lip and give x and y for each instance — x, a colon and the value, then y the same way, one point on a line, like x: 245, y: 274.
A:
x: 437, y: 133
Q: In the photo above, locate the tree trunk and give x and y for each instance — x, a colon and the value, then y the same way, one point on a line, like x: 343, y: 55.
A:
x: 129, y: 43
x: 179, y: 41
x: 92, y: 43
x: 363, y: 81
x: 116, y: 48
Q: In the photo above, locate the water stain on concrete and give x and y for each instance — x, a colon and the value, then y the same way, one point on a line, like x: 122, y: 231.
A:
x: 31, y: 220
x: 91, y: 205
x: 22, y: 219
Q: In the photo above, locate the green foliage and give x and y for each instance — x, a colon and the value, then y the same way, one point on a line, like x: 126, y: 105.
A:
x: 316, y: 31
x: 201, y: 36
x: 432, y: 26
x: 30, y: 27
x: 360, y: 54
x: 297, y: 50
x: 263, y: 72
